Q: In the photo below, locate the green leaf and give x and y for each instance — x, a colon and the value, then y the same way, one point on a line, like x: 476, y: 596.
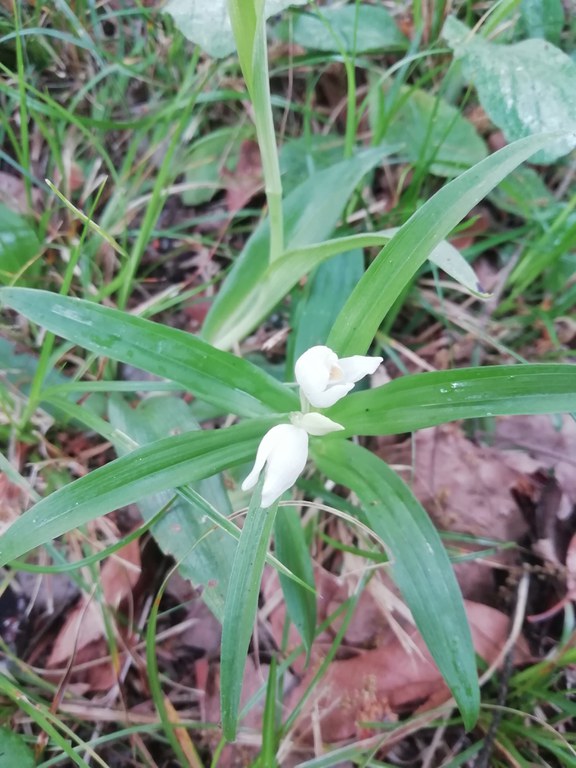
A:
x: 205, y: 162
x: 19, y: 367
x: 434, y: 132
x: 451, y: 261
x: 543, y: 18
x: 19, y: 244
x: 311, y: 212
x: 14, y: 751
x: 355, y: 28
x: 210, y: 374
x: 303, y: 157
x: 419, y: 563
x: 61, y: 736
x: 283, y: 275
x: 204, y: 553
x: 526, y: 88
x: 426, y: 399
x: 525, y: 194
x: 400, y: 259
x: 240, y: 609
x: 292, y: 550
x: 207, y: 23
x: 270, y: 718
x: 164, y: 464
x: 326, y: 293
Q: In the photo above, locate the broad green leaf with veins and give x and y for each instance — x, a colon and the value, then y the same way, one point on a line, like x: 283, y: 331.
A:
x: 351, y: 28
x: 435, y: 132
x: 526, y: 88
x: 206, y: 22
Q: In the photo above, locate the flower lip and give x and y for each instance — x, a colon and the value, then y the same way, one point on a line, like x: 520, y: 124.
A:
x: 324, y: 378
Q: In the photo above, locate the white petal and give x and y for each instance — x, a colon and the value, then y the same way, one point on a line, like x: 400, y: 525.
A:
x: 284, y: 451
x: 267, y: 445
x: 329, y: 396
x: 324, y: 379
x: 315, y: 423
x: 356, y: 367
x: 313, y: 369
x: 285, y: 463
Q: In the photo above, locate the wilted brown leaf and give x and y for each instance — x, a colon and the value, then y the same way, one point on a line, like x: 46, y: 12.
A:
x: 85, y: 623
x: 380, y: 684
x: 13, y: 501
x: 368, y: 627
x: 571, y: 569
x: 246, y: 179
x: 13, y: 194
x: 466, y: 488
x: 549, y: 441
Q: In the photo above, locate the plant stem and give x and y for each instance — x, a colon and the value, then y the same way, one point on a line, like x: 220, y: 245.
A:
x: 267, y: 141
x: 250, y: 36
x: 24, y: 137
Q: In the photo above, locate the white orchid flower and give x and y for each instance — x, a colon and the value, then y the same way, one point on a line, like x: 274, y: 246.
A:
x: 284, y: 452
x: 324, y: 378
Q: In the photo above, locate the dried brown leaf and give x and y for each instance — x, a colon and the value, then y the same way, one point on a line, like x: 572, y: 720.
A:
x: 13, y: 194
x: 85, y: 623
x: 571, y: 569
x: 13, y: 501
x: 246, y: 180
x: 380, y: 684
x: 467, y: 488
x: 550, y: 442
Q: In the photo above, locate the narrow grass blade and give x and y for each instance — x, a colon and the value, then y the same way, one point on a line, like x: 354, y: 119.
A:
x: 48, y: 724
x: 212, y: 375
x: 292, y: 551
x: 420, y: 565
x: 426, y: 399
x: 163, y: 464
x: 161, y: 702
x: 240, y: 608
x: 267, y: 757
x: 399, y: 260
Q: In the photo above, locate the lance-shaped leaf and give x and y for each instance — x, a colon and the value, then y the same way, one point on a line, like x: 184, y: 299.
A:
x: 241, y: 607
x: 203, y: 552
x: 397, y: 263
x: 167, y: 463
x: 426, y: 399
x: 212, y: 375
x: 419, y: 563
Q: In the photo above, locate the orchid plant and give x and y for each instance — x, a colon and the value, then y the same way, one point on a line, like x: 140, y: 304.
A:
x: 167, y: 462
